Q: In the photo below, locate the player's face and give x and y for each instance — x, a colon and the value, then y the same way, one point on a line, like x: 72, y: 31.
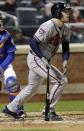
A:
x: 65, y: 15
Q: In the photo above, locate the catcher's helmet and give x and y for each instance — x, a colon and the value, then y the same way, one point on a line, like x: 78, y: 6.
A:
x: 57, y: 8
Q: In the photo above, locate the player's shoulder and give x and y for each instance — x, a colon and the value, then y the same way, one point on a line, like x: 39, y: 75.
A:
x: 49, y: 22
x: 4, y: 35
x: 67, y: 26
x: 7, y: 32
x: 47, y: 25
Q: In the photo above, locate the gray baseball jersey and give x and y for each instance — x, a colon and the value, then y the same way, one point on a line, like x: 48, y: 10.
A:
x: 50, y: 36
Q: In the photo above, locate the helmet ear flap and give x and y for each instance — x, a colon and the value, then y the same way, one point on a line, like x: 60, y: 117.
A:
x: 60, y: 15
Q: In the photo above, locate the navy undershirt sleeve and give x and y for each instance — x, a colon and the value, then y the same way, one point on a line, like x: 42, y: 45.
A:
x: 34, y: 44
x: 66, y: 51
x: 9, y: 59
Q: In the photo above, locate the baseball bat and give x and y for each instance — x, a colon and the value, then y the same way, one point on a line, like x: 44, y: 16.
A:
x: 58, y: 72
x: 47, y: 102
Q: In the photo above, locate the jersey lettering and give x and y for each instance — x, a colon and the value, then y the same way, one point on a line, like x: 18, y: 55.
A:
x: 55, y: 40
x: 41, y: 31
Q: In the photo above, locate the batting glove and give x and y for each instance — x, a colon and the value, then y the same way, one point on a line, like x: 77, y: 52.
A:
x: 64, y: 67
x: 1, y: 72
x: 45, y: 62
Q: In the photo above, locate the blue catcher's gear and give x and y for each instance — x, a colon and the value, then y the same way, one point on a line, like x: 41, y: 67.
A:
x: 7, y: 112
x: 1, y: 72
x: 12, y: 84
x: 13, y: 87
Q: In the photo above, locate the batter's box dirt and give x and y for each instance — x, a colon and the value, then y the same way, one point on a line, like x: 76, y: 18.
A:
x: 72, y: 120
x: 35, y: 116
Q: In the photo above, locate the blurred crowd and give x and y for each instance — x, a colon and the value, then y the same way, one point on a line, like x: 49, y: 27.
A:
x: 13, y: 9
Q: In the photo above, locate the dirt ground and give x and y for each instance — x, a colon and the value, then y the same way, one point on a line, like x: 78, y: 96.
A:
x: 72, y: 121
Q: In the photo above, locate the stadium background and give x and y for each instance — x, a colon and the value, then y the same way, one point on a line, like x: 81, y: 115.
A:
x: 21, y: 18
x: 19, y: 21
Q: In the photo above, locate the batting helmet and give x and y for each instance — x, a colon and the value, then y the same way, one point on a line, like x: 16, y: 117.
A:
x: 57, y: 8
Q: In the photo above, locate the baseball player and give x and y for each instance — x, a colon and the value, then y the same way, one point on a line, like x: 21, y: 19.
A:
x: 7, y: 56
x: 44, y: 46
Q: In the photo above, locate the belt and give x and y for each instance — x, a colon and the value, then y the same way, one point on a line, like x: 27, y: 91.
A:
x: 32, y: 52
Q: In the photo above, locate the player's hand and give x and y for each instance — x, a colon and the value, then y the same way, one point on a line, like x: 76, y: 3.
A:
x: 64, y: 67
x: 45, y: 62
x: 1, y: 72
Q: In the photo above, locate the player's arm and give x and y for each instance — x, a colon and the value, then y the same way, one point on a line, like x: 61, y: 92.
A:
x: 66, y: 48
x: 38, y: 38
x: 10, y: 49
x: 65, y: 55
x: 34, y: 44
x: 9, y: 59
x: 65, y: 51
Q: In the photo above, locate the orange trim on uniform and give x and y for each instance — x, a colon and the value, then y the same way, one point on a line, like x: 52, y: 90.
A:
x: 1, y: 45
x: 14, y: 94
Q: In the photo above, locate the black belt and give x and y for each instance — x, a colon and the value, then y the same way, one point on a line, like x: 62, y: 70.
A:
x: 31, y: 51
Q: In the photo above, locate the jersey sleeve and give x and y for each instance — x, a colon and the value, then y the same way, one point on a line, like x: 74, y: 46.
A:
x: 67, y: 34
x: 42, y: 33
x: 10, y: 46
